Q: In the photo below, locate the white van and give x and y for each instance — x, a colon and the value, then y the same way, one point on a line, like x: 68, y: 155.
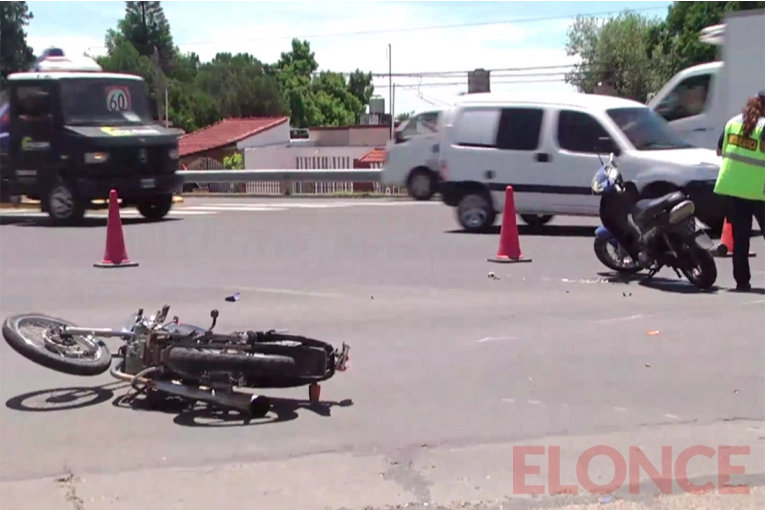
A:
x: 546, y: 147
x: 412, y: 155
x: 698, y: 101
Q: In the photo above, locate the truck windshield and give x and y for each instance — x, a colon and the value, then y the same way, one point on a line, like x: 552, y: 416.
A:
x: 646, y: 130
x: 104, y: 102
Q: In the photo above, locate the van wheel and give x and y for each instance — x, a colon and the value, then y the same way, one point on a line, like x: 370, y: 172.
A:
x: 421, y: 185
x: 536, y: 220
x: 475, y: 212
x: 155, y: 208
x: 63, y: 205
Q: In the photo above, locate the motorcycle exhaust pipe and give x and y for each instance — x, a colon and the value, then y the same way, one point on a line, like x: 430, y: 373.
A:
x: 251, y: 405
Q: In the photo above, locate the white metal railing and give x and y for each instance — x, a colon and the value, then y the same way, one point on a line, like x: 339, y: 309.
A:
x: 287, y: 181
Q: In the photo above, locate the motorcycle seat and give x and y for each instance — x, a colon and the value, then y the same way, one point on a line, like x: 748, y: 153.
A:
x: 651, y: 207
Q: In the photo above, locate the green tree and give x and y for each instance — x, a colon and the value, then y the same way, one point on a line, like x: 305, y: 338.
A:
x: 15, y: 54
x: 614, y: 51
x: 337, y: 105
x: 401, y: 117
x: 360, y: 85
x: 241, y: 86
x: 676, y: 40
x: 294, y: 70
x: 146, y: 27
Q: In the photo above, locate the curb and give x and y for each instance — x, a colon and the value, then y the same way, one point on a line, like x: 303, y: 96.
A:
x: 35, y: 204
x: 300, y: 197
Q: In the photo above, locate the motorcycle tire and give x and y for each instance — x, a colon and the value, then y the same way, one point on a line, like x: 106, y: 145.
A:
x: 705, y: 263
x: 196, y: 361
x: 601, y: 252
x: 96, y: 364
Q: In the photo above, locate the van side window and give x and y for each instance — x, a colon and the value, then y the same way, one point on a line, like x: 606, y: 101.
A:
x: 32, y: 103
x: 579, y: 132
x: 476, y: 127
x: 422, y: 124
x: 519, y: 129
x: 687, y: 99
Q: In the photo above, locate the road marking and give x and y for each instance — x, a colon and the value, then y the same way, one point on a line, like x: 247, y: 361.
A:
x: 103, y: 214
x: 620, y: 409
x: 756, y: 302
x: 535, y: 403
x: 288, y: 292
x: 232, y: 209
x: 508, y: 400
x: 496, y: 339
x: 620, y: 319
x: 672, y: 416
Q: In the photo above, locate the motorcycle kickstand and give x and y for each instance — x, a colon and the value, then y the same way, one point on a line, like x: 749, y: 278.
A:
x: 653, y: 272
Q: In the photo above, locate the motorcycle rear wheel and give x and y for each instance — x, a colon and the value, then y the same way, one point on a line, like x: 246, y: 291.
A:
x: 701, y: 269
x: 601, y: 247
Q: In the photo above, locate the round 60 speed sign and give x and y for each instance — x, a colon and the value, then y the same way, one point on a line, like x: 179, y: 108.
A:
x: 118, y: 99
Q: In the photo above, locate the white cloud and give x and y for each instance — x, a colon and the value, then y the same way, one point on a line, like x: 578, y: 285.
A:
x: 266, y: 32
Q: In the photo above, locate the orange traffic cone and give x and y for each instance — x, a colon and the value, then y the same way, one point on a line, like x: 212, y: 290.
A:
x: 115, y: 253
x: 725, y: 248
x: 509, y: 249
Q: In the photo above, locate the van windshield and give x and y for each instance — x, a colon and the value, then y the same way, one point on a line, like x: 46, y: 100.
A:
x: 104, y: 102
x: 646, y: 130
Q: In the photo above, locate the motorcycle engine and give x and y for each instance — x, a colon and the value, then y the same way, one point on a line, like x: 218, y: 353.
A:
x: 134, y: 352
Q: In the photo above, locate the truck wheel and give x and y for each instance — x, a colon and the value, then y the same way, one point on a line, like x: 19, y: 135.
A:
x: 63, y: 205
x: 536, y: 220
x: 475, y: 212
x: 155, y: 208
x: 421, y: 184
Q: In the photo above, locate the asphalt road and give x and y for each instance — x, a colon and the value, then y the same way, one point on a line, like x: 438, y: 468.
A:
x: 450, y: 369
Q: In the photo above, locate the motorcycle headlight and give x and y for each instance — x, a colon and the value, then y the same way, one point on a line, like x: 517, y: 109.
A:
x: 173, y: 153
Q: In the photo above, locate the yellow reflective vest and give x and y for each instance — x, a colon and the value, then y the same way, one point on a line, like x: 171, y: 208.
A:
x: 742, y: 173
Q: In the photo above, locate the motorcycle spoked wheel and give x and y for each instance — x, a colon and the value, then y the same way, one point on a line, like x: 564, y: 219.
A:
x: 699, y: 267
x: 610, y: 256
x: 33, y: 335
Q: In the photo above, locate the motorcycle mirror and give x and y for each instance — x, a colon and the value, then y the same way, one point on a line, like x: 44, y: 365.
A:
x: 214, y: 315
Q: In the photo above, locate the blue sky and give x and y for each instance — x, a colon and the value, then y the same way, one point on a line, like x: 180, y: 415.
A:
x: 526, y: 34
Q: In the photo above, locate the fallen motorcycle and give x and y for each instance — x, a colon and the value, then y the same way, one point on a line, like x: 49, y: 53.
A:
x: 170, y: 358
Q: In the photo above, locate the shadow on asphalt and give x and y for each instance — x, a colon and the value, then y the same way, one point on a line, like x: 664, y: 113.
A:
x: 88, y: 222
x: 546, y: 231
x: 63, y: 399
x: 674, y: 285
x: 187, y: 415
x: 206, y: 416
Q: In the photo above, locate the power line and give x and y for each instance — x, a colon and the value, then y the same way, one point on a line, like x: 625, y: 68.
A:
x: 464, y: 84
x: 411, y: 29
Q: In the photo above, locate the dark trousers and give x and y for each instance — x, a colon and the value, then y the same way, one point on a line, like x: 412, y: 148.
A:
x: 741, y: 212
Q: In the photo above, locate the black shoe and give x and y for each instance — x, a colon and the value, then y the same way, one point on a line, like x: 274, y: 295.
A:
x: 743, y: 287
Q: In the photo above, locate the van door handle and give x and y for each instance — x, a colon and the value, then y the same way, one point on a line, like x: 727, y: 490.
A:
x: 542, y: 157
x: 700, y: 130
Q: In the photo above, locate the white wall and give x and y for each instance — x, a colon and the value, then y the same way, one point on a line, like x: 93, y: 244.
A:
x: 276, y: 135
x: 291, y: 157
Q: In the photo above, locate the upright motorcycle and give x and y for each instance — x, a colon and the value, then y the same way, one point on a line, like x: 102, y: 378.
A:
x: 669, y: 233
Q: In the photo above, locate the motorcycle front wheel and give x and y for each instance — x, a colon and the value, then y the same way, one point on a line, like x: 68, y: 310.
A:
x: 611, y: 257
x: 37, y: 337
x: 700, y: 268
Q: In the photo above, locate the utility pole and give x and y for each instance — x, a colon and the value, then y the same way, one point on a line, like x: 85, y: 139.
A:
x: 390, y: 88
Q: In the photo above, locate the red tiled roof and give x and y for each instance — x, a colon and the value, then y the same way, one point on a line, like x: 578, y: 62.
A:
x: 226, y: 132
x: 374, y: 156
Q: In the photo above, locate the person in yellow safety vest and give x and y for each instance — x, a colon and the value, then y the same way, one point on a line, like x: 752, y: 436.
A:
x: 742, y: 181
